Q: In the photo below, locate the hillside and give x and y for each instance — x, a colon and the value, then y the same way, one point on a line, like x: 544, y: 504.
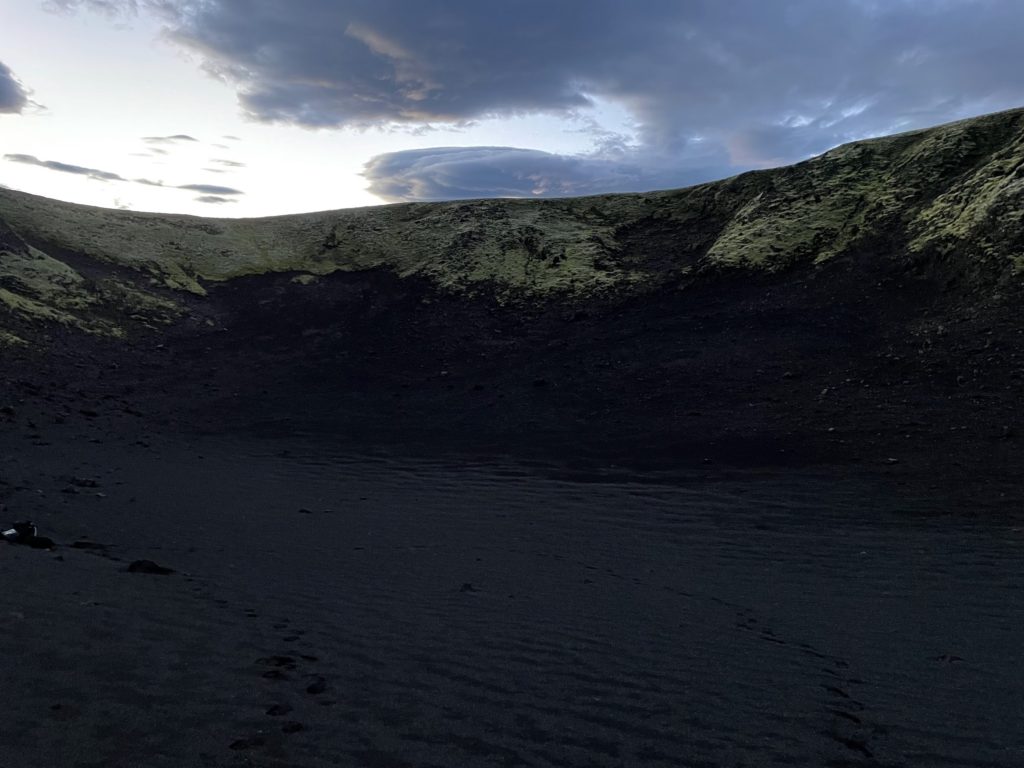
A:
x: 953, y: 190
x: 858, y: 307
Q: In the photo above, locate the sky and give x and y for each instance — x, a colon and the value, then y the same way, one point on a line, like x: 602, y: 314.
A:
x: 262, y: 107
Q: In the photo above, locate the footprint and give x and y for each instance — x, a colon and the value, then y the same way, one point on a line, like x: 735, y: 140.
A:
x: 846, y: 715
x: 148, y: 566
x: 90, y: 545
x: 319, y: 685
x: 836, y: 691
x: 63, y: 712
x: 279, y: 710
x: 292, y: 727
x: 242, y: 744
x: 282, y: 662
x: 855, y: 745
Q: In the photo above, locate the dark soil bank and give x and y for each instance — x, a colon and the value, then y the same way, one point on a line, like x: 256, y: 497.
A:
x: 866, y: 362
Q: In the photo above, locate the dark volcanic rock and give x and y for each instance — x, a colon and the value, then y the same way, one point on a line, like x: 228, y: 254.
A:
x: 26, y: 534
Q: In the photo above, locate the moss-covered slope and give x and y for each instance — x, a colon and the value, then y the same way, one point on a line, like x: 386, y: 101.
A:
x: 958, y: 188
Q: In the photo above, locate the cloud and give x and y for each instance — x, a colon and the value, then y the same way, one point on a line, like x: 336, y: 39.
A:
x: 214, y: 199
x: 446, y: 173
x: 113, y: 8
x: 100, y: 175
x: 211, y: 189
x: 747, y: 82
x: 228, y: 163
x: 54, y: 165
x: 681, y: 67
x: 13, y: 96
x: 168, y: 139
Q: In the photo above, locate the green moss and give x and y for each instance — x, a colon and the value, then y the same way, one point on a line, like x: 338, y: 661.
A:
x: 39, y: 287
x: 986, y: 207
x: 10, y: 340
x: 131, y: 300
x: 32, y: 309
x: 539, y: 246
x: 912, y: 182
x: 35, y: 274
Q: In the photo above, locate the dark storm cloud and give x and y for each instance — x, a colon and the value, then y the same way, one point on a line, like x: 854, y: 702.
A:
x: 753, y: 82
x: 211, y: 189
x: 54, y: 165
x: 214, y: 199
x: 682, y: 68
x: 13, y: 96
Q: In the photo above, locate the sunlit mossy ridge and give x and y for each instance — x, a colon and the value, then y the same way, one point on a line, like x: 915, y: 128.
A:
x: 955, y: 188
x: 36, y: 285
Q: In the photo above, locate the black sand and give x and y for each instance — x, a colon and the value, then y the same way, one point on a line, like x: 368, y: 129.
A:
x: 351, y: 610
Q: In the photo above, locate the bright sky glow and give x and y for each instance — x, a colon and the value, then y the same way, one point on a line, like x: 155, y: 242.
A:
x: 301, y: 105
x: 114, y: 84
